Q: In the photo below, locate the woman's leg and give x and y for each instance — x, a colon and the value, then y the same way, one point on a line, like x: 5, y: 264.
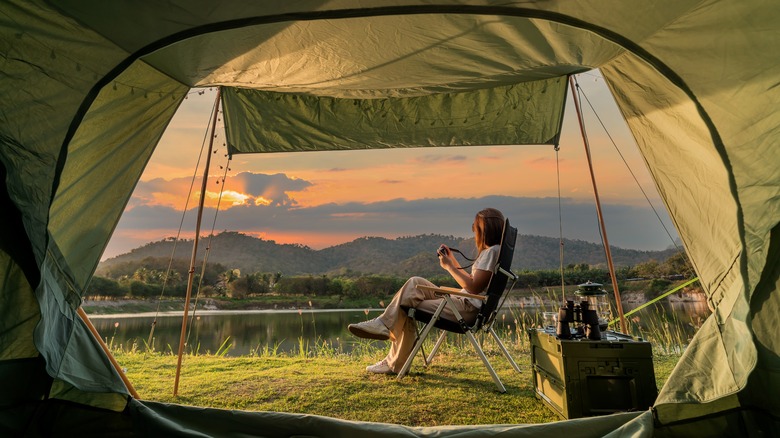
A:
x: 404, y: 329
x: 381, y: 327
x: 408, y: 296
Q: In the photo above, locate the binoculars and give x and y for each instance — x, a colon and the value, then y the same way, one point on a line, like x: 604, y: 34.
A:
x: 585, y: 320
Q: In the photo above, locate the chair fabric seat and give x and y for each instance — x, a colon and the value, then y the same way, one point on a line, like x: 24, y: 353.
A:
x: 441, y: 323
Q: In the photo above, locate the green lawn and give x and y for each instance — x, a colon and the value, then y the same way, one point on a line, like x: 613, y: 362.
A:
x: 455, y: 390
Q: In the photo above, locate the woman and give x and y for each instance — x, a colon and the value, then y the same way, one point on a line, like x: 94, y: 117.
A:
x: 394, y: 324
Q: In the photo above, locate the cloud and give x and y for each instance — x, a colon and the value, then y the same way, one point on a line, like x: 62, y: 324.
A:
x: 438, y: 159
x: 331, y: 224
x: 243, y: 188
x: 267, y: 189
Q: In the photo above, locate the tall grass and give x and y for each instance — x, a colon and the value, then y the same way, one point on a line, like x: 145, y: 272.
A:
x: 664, y: 330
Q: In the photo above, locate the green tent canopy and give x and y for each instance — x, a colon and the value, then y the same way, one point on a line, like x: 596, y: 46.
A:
x: 88, y: 87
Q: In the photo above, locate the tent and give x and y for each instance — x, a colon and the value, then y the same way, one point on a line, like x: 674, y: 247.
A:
x: 89, y: 86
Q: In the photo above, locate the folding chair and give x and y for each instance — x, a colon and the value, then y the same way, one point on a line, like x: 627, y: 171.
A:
x: 497, y: 292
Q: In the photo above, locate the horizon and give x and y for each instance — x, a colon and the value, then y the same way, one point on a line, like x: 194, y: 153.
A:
x: 322, y: 199
x: 217, y: 233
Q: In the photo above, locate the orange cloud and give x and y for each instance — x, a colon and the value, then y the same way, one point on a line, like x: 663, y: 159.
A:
x: 262, y: 201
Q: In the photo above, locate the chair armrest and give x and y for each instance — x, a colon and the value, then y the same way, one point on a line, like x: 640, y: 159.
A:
x: 450, y: 291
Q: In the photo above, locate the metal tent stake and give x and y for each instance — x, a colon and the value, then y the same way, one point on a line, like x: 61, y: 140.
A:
x: 191, y: 272
x: 618, y: 302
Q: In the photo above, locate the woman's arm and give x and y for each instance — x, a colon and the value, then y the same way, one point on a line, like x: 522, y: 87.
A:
x: 476, y: 284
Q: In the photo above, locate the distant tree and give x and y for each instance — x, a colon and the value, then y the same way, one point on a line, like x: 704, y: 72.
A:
x: 375, y: 286
x: 677, y: 264
x: 276, y: 277
x: 139, y: 289
x: 227, y: 277
x: 105, y: 287
x: 238, y: 288
x: 648, y: 269
x: 141, y: 274
x: 208, y: 291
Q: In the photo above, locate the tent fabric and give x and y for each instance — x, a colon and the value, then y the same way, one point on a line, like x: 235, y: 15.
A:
x: 90, y: 86
x: 160, y: 419
x: 527, y: 113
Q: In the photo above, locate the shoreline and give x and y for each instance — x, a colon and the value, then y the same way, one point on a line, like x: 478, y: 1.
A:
x: 211, y: 306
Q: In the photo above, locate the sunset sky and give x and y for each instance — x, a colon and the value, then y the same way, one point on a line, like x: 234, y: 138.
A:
x: 320, y: 199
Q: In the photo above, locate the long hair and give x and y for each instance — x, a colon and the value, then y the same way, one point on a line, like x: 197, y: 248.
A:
x: 488, y: 227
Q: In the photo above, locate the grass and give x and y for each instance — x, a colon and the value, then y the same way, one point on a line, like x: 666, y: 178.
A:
x: 322, y: 380
x: 455, y: 390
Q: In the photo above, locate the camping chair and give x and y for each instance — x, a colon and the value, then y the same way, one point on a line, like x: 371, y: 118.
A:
x: 497, y: 292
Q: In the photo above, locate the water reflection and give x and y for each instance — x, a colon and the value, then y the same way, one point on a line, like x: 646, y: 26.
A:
x: 252, y: 332
x: 247, y: 332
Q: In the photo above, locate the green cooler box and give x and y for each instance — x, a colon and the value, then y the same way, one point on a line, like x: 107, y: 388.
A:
x: 581, y: 378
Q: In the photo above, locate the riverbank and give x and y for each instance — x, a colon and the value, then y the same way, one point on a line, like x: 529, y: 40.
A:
x: 635, y: 294
x: 265, y: 302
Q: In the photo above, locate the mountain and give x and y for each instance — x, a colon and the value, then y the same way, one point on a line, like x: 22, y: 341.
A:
x: 403, y: 256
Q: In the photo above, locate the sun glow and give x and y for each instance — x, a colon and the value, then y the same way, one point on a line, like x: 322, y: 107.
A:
x: 263, y: 201
x: 234, y: 198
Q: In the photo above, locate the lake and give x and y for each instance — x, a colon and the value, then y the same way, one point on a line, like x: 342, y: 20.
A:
x: 248, y: 332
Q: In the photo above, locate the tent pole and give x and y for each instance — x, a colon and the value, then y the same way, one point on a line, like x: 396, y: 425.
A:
x: 618, y: 302
x: 125, y: 380
x: 191, y: 272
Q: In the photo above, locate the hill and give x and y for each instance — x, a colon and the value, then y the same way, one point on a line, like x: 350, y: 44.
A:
x: 403, y: 256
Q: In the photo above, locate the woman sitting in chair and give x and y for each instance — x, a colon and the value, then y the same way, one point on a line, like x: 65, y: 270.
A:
x: 394, y: 324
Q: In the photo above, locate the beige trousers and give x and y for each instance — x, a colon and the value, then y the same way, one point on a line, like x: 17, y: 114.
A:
x: 403, y: 328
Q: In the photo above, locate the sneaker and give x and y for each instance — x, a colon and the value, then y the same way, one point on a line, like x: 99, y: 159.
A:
x: 371, y: 329
x: 380, y: 367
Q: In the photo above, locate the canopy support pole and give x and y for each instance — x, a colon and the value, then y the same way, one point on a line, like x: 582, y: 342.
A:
x: 618, y: 302
x: 191, y: 272
x: 93, y: 330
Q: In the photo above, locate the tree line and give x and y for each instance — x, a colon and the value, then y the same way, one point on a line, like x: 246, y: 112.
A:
x: 158, y: 277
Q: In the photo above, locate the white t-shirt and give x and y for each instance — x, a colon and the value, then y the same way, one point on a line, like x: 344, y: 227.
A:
x: 486, y: 261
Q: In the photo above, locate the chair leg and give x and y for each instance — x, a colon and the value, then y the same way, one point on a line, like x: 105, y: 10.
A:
x: 436, y: 346
x: 418, y: 331
x: 504, y: 350
x: 482, y: 356
x: 418, y: 343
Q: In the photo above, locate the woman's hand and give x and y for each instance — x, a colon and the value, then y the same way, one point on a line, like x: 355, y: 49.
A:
x: 446, y: 259
x: 475, y: 285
